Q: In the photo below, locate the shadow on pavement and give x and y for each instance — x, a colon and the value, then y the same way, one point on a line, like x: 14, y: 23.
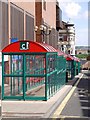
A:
x: 72, y: 82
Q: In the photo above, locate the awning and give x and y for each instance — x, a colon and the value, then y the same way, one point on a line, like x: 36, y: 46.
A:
x: 28, y: 46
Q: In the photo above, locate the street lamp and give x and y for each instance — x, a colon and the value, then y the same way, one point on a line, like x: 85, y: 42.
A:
x: 43, y: 30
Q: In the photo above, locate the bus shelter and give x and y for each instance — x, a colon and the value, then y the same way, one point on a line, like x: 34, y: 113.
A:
x: 73, y: 66
x: 77, y: 62
x: 61, y: 69
x: 70, y: 66
x: 32, y: 71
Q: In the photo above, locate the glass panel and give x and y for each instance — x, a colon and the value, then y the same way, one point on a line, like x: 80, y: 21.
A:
x: 14, y: 86
x: 16, y: 65
x: 52, y: 73
x: 51, y: 84
x: 35, y: 64
x: 61, y: 72
x: 51, y: 63
x: 35, y: 86
x: 69, y: 68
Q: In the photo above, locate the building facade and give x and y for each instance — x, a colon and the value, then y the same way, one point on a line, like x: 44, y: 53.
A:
x: 66, y: 41
x: 18, y: 20
x: 82, y: 50
x: 47, y: 18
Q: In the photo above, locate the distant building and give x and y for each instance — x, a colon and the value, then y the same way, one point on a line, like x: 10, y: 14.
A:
x: 66, y: 40
x: 88, y: 58
x: 81, y: 50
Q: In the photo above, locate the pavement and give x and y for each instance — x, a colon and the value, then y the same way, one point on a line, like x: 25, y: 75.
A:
x: 36, y: 109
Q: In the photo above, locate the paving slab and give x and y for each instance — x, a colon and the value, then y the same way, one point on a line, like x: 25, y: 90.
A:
x: 33, y: 108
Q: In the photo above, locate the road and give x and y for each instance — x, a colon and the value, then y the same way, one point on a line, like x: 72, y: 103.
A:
x: 78, y: 106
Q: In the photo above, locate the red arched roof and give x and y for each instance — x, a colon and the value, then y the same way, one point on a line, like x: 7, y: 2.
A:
x: 69, y: 57
x: 32, y: 47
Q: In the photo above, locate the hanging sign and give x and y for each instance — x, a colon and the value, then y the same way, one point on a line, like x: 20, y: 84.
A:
x: 24, y: 45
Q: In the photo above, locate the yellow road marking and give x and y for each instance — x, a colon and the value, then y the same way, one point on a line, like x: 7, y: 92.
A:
x: 79, y: 80
x: 62, y: 117
x: 64, y: 102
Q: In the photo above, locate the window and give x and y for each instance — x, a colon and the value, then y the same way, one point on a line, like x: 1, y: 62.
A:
x: 29, y: 27
x: 44, y: 4
x: 4, y: 24
x: 68, y: 51
x: 61, y: 38
x: 71, y: 39
x: 17, y: 22
x: 62, y: 47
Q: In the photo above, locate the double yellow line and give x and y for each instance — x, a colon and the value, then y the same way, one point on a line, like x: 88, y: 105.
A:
x: 64, y: 102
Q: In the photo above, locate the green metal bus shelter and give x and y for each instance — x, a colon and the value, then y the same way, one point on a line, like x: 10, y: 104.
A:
x: 77, y: 61
x: 70, y: 67
x: 73, y: 66
x: 34, y: 73
x: 61, y: 69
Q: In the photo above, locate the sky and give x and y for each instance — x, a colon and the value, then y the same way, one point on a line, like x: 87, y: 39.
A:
x: 77, y: 12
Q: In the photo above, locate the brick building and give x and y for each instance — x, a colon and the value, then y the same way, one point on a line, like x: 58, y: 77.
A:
x: 18, y: 20
x: 45, y: 13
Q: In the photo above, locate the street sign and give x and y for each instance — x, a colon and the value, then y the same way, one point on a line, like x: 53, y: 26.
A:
x: 14, y: 40
x: 24, y: 45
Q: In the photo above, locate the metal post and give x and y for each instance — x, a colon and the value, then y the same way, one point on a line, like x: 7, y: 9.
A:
x: 46, y: 64
x: 13, y: 78
x: 11, y: 71
x: 18, y: 77
x: 2, y: 76
x: 72, y: 70
x: 24, y: 76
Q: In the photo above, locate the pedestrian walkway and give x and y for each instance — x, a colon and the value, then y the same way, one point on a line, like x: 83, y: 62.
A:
x: 36, y: 109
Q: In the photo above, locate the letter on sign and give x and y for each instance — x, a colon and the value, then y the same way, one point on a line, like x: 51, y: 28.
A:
x: 24, y: 45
